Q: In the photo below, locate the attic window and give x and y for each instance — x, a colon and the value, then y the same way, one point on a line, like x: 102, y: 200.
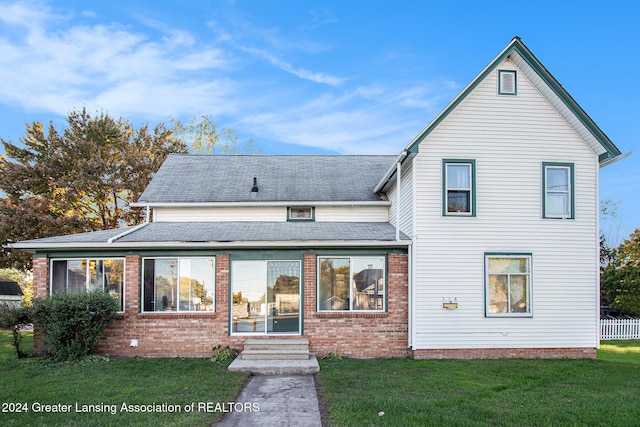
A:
x: 300, y: 214
x: 507, y: 82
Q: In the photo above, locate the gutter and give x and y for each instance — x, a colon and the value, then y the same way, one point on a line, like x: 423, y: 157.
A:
x: 390, y: 172
x: 608, y: 162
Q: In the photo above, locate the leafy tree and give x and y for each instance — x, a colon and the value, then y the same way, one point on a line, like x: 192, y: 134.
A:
x: 205, y: 137
x: 82, y: 179
x: 620, y: 280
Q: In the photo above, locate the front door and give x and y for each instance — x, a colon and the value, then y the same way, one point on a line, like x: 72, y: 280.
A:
x: 266, y: 297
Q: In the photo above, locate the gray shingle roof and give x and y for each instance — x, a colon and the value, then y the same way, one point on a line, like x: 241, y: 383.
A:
x: 225, y: 232
x: 281, y: 178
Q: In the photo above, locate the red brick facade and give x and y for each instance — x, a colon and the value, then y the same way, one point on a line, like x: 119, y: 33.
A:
x: 356, y: 334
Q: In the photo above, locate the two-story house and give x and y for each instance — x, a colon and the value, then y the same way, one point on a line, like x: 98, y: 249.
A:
x: 480, y: 239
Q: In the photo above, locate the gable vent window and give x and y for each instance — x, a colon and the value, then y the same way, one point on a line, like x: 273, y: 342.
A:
x: 507, y: 82
x: 301, y: 214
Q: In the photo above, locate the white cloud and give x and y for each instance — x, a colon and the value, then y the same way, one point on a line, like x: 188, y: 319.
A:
x: 55, y: 68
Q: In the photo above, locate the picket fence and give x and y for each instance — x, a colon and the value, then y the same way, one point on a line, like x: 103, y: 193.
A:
x: 619, y: 329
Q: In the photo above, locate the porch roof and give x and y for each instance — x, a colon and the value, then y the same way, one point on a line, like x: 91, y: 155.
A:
x: 228, y: 234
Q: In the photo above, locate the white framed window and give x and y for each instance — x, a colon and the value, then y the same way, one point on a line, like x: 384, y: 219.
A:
x: 508, y: 285
x: 507, y: 82
x: 458, y: 187
x: 178, y: 284
x: 351, y: 283
x: 558, y: 189
x: 301, y: 214
x: 89, y: 274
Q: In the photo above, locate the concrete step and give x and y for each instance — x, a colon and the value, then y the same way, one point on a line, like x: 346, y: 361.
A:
x: 276, y: 344
x: 278, y: 354
x: 276, y: 367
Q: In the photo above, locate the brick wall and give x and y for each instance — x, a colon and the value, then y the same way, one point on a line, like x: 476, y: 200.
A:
x: 169, y: 334
x: 40, y: 290
x: 363, y: 335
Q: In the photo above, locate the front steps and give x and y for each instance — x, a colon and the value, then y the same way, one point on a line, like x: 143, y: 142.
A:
x: 272, y: 356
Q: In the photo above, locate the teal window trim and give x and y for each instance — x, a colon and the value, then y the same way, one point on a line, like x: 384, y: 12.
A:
x: 472, y: 188
x: 501, y: 74
x: 572, y: 203
x: 311, y: 219
x: 350, y: 309
x: 517, y: 255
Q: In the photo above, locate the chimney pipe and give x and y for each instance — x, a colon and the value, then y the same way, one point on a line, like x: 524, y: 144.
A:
x: 255, y: 185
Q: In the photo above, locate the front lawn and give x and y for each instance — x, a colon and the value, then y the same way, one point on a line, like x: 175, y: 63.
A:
x: 169, y: 385
x: 510, y: 392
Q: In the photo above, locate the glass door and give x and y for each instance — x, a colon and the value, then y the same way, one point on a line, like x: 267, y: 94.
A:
x: 265, y: 297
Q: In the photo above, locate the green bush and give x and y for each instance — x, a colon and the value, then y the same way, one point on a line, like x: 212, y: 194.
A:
x: 74, y: 322
x: 15, y: 317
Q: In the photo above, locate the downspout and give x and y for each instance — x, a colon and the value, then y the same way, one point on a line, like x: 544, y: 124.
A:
x: 398, y: 197
x: 132, y: 229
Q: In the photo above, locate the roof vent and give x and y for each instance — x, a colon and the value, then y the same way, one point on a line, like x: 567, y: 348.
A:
x: 255, y: 185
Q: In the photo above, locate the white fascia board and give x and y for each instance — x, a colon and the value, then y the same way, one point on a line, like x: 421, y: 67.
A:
x: 255, y: 204
x: 213, y: 245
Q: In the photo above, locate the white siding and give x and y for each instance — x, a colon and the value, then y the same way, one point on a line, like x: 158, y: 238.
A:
x: 326, y: 214
x: 406, y: 201
x: 219, y: 214
x: 509, y: 137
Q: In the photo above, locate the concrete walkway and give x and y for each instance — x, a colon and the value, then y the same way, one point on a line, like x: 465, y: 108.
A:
x: 277, y: 401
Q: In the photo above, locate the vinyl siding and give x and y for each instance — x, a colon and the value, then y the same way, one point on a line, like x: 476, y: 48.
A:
x: 406, y: 201
x: 323, y: 214
x: 509, y: 137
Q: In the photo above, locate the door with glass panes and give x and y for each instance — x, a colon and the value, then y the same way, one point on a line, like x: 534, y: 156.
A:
x: 265, y: 297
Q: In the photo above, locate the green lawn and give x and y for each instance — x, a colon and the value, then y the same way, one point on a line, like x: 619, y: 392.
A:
x: 410, y: 392
x: 178, y: 382
x: 512, y: 392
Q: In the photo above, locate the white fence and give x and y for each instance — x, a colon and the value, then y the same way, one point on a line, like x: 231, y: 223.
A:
x: 619, y: 329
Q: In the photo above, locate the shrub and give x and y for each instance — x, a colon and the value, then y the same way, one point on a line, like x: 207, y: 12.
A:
x: 223, y: 354
x: 14, y: 317
x: 74, y: 322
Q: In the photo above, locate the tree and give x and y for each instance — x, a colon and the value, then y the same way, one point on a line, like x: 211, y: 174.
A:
x: 620, y: 280
x: 82, y: 179
x: 205, y: 137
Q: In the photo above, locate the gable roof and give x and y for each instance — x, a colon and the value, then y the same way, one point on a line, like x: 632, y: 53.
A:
x: 9, y: 287
x: 549, y: 87
x: 195, y: 180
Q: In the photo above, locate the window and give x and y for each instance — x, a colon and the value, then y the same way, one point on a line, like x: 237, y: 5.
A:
x: 458, y: 187
x: 178, y: 284
x: 301, y: 214
x: 557, y: 182
x: 508, y: 284
x: 82, y: 275
x: 507, y: 82
x: 351, y: 283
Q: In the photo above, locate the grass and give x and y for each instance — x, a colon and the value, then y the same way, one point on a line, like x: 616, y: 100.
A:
x: 178, y: 382
x: 510, y: 392
x: 513, y: 392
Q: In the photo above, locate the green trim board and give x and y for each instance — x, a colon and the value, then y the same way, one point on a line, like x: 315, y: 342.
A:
x: 516, y: 45
x: 472, y: 198
x: 572, y: 190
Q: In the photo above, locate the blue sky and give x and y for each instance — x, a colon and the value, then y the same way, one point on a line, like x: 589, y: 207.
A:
x: 301, y: 76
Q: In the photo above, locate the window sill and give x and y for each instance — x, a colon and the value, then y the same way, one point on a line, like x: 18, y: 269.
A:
x: 177, y: 315
x: 351, y: 315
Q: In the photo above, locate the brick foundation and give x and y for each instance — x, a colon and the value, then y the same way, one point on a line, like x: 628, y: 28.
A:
x: 506, y: 353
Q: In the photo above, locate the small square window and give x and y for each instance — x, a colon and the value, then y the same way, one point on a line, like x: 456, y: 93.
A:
x: 507, y: 82
x: 301, y: 214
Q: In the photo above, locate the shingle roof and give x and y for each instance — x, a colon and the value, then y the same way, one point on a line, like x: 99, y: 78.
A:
x: 9, y: 287
x: 280, y: 178
x: 223, y: 233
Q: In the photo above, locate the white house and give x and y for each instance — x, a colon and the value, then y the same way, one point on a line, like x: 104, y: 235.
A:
x: 480, y: 239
